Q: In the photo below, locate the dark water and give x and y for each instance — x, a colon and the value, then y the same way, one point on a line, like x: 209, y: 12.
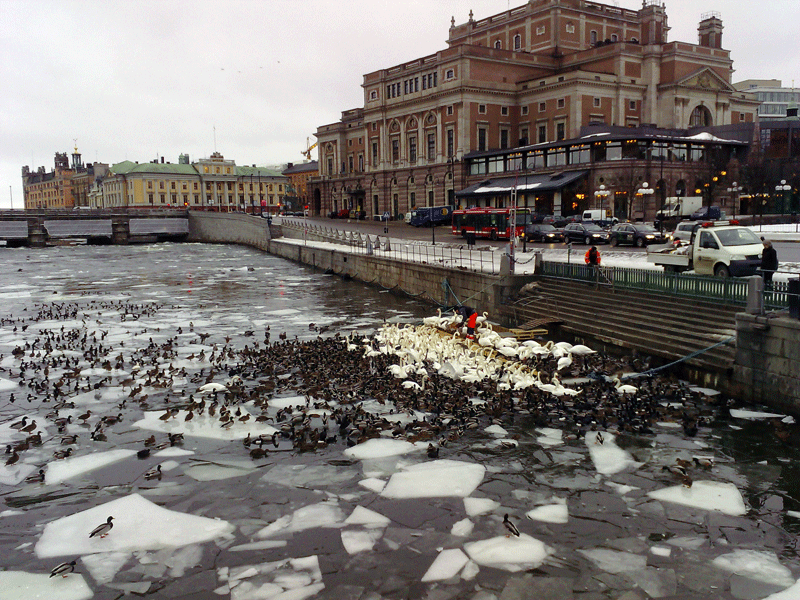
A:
x: 131, y: 297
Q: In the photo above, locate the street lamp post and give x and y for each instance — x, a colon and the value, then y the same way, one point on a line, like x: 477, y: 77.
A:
x: 735, y: 190
x: 644, y: 192
x: 782, y: 188
x: 601, y: 194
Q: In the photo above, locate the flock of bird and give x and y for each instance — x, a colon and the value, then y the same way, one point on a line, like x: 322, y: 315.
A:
x: 424, y: 382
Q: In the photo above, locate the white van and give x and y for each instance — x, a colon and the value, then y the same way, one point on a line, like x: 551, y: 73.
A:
x: 598, y: 214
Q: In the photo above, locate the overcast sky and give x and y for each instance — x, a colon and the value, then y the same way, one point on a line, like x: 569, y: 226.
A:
x: 140, y: 79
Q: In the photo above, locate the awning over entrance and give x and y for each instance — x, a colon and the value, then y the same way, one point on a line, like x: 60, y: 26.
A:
x: 530, y: 183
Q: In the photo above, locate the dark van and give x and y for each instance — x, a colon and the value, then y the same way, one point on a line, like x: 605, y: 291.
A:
x: 708, y: 213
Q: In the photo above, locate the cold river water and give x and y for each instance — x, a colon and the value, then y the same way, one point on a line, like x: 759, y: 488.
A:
x: 113, y: 345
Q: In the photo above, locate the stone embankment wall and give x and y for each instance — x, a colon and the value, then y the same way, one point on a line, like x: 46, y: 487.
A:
x: 767, y: 368
x: 229, y: 228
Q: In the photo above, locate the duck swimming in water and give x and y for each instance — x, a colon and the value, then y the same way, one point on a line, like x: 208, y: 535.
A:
x: 102, y: 529
x: 512, y: 529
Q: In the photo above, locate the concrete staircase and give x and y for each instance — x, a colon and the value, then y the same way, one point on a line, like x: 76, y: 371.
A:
x: 663, y: 326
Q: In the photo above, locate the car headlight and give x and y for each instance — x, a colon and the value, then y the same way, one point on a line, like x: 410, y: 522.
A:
x: 650, y: 237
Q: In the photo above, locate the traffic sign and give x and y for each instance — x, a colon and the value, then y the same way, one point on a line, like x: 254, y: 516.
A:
x: 386, y: 216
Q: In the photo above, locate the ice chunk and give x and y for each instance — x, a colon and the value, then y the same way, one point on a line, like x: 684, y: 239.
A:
x: 103, y: 567
x: 265, y: 545
x: 381, y: 448
x: 550, y: 437
x: 61, y: 470
x: 708, y: 495
x: 138, y: 525
x: 470, y: 572
x: 290, y: 579
x: 218, y: 472
x: 608, y: 458
x: 373, y: 484
x: 462, y: 528
x: 761, y: 566
x: 511, y: 554
x: 497, y: 431
x: 753, y: 415
x: 368, y: 518
x: 613, y: 561
x: 355, y: 541
x: 19, y: 585
x: 204, y: 426
x: 480, y: 506
x: 790, y: 593
x: 323, y: 514
x: 620, y: 488
x: 14, y: 474
x: 308, y: 476
x: 446, y: 565
x: 173, y: 451
x: 439, y: 478
x: 6, y: 385
x: 550, y: 513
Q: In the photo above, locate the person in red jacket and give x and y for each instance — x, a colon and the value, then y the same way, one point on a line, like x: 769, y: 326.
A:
x: 592, y: 257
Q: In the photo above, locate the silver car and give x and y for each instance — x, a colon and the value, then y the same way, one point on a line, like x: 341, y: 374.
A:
x: 684, y: 231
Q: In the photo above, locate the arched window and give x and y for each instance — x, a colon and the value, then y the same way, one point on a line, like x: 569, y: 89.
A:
x: 517, y: 42
x: 498, y: 44
x: 701, y: 117
x: 592, y: 37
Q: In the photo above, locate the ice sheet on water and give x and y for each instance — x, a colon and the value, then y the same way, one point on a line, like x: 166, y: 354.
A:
x: 323, y: 514
x: 355, y: 541
x: 753, y: 564
x: 462, y: 528
x: 753, y: 415
x: 496, y: 430
x: 447, y: 564
x: 138, y: 525
x: 6, y: 385
x: 173, y: 451
x: 608, y: 458
x: 218, y: 471
x: 707, y: 495
x: 373, y: 484
x: 620, y: 488
x: 366, y: 517
x: 439, y: 478
x: 204, y: 426
x: 265, y: 545
x: 550, y: 513
x: 19, y: 585
x: 308, y: 476
x: 381, y: 448
x: 661, y: 551
x: 614, y: 561
x: 689, y: 543
x: 104, y: 566
x: 14, y: 474
x: 60, y: 470
x: 550, y: 437
x: 511, y: 554
x: 290, y: 579
x: 790, y: 593
x: 480, y: 506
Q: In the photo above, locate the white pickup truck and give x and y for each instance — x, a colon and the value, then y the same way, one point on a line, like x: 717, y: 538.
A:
x: 717, y: 248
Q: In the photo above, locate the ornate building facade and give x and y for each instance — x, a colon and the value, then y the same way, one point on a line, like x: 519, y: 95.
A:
x: 536, y: 74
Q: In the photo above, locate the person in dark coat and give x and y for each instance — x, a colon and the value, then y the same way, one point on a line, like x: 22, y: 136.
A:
x: 769, y: 262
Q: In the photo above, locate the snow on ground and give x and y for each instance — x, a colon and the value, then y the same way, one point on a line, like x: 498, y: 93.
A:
x: 138, y: 525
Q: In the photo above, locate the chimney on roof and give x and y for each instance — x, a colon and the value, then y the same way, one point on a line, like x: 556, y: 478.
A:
x: 710, y: 30
x: 162, y: 160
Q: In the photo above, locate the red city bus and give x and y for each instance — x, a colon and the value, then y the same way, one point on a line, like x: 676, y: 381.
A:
x: 490, y: 223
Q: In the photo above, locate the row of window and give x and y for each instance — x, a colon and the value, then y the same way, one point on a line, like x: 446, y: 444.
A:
x: 173, y: 199
x: 582, y: 154
x: 209, y: 184
x: 570, y: 28
x: 410, y: 86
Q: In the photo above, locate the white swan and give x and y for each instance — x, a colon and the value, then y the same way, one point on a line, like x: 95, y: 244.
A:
x: 624, y: 388
x: 581, y: 350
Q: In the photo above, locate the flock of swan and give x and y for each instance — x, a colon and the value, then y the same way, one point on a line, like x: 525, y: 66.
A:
x: 440, y: 344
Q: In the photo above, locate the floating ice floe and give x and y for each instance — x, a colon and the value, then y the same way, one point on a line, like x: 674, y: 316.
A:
x: 447, y: 565
x: 608, y: 458
x: 790, y: 593
x: 614, y: 561
x: 496, y: 430
x: 753, y: 415
x: 373, y: 484
x: 511, y: 554
x: 550, y: 437
x: 138, y: 525
x: 173, y: 451
x: 462, y: 528
x: 308, y: 476
x: 439, y: 478
x: 290, y: 579
x: 366, y: 517
x: 219, y: 470
x: 69, y: 468
x: 708, y: 495
x: 14, y: 474
x: 19, y: 585
x: 323, y: 514
x: 265, y: 545
x: 204, y: 426
x: 480, y: 506
x: 550, y: 513
x: 104, y: 566
x: 761, y: 566
x: 6, y: 385
x: 382, y: 448
x: 355, y: 541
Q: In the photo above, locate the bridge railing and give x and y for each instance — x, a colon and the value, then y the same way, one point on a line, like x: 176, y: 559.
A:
x: 730, y: 290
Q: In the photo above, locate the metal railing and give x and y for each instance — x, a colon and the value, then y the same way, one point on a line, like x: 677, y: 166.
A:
x: 730, y: 290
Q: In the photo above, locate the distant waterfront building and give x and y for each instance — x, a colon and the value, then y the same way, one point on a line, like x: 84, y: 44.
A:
x: 214, y: 183
x: 299, y: 176
x: 535, y: 74
x: 775, y: 100
x: 66, y: 186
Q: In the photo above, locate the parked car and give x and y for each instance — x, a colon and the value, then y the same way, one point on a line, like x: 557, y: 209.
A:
x: 543, y: 232
x: 636, y: 234
x: 358, y: 215
x: 556, y: 222
x: 588, y: 233
x: 708, y: 213
x: 683, y: 231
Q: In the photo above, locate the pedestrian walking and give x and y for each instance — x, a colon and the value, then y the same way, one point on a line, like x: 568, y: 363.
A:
x: 592, y: 257
x: 769, y: 263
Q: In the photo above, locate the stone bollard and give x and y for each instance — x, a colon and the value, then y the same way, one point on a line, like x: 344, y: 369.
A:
x: 755, y: 295
x: 388, y: 246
